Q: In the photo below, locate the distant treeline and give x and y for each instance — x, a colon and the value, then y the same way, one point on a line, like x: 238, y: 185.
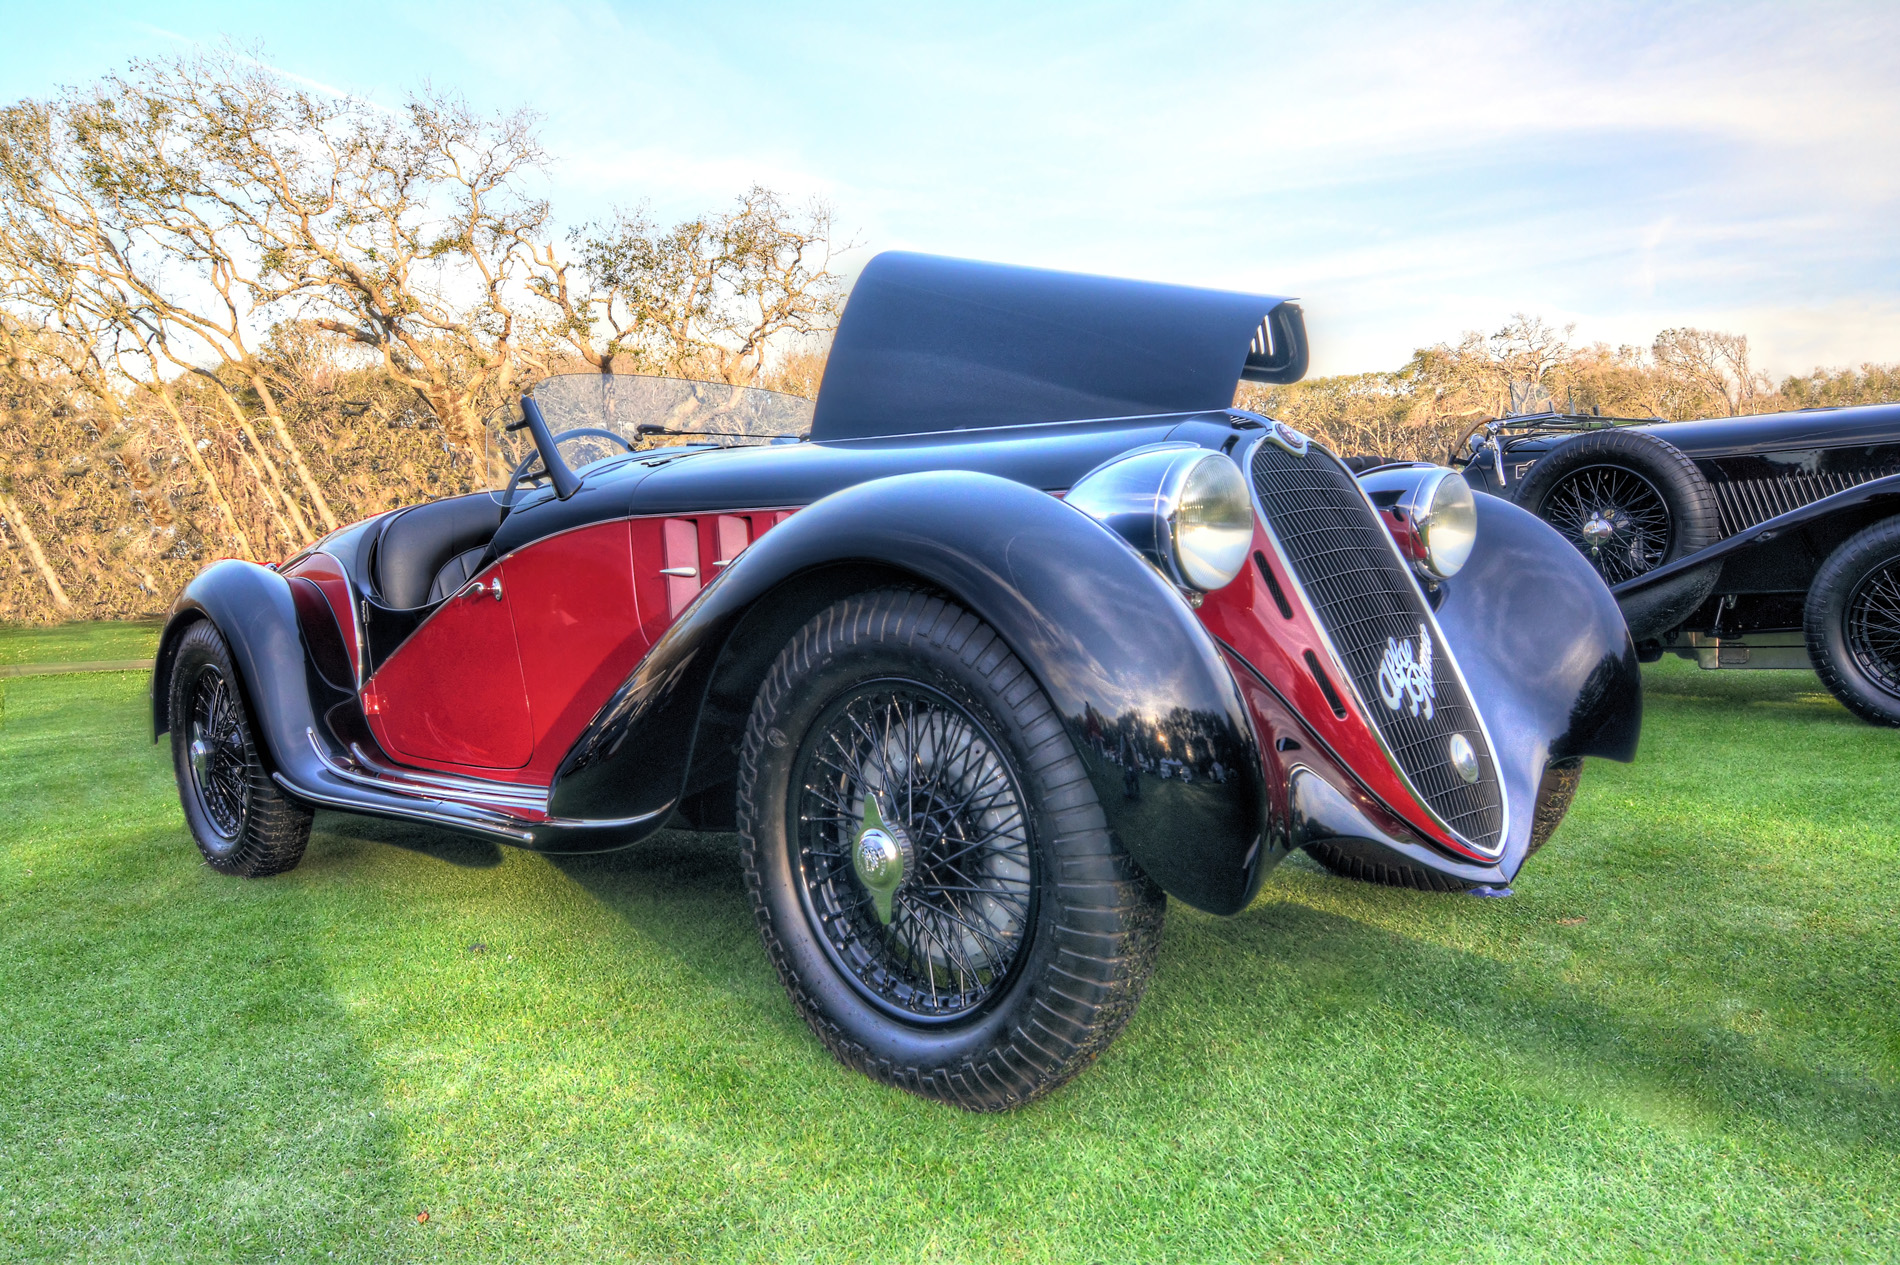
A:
x: 1424, y: 410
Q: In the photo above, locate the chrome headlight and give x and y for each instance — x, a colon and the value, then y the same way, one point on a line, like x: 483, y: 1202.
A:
x: 1185, y: 509
x: 1430, y: 513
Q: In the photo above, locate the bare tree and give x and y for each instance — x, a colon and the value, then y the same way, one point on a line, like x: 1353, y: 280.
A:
x: 1706, y: 372
x: 712, y: 296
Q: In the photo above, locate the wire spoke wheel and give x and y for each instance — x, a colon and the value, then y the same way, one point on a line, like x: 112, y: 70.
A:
x: 1873, y: 626
x: 960, y: 919
x: 219, y: 766
x: 1617, y: 518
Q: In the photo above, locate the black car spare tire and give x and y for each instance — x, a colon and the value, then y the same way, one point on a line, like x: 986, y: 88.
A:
x: 241, y: 820
x: 1631, y: 503
x: 1852, y: 621
x: 929, y: 865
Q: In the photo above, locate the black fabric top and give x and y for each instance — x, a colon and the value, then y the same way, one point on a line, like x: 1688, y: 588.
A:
x: 933, y: 344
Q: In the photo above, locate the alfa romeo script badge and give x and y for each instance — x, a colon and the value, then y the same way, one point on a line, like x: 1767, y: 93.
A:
x: 1405, y: 675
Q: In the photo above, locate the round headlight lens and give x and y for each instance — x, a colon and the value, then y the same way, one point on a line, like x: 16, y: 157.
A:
x: 1451, y: 528
x: 1212, y: 525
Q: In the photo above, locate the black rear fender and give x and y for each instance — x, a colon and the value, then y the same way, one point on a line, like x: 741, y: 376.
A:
x: 252, y: 607
x: 1104, y: 635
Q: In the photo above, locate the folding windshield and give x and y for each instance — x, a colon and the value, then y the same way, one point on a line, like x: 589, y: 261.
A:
x: 621, y: 412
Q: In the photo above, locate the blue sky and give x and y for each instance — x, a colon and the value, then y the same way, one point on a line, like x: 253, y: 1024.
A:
x: 1410, y: 171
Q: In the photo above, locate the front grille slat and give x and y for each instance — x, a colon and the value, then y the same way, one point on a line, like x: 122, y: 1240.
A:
x: 1367, y: 603
x: 1746, y: 502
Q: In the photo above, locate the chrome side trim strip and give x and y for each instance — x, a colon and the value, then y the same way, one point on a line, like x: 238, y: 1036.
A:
x: 1332, y: 652
x: 418, y: 813
x: 494, y: 792
x: 475, y: 795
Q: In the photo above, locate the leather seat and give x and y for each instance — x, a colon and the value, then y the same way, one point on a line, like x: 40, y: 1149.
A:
x: 426, y: 552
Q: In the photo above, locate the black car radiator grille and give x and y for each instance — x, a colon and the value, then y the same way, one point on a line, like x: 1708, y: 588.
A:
x: 1377, y: 619
x: 1746, y: 502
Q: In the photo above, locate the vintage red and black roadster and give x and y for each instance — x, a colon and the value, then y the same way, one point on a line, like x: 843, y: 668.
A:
x: 1016, y: 632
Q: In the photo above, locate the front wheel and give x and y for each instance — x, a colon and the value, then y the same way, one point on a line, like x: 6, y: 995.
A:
x: 239, y: 818
x: 1852, y: 621
x: 928, y: 862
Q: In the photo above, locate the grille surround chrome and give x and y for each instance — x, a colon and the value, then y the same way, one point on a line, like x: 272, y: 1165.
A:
x: 1478, y: 848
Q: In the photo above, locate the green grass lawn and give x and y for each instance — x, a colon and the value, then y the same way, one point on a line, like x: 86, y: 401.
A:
x: 1679, y: 1041
x: 79, y: 643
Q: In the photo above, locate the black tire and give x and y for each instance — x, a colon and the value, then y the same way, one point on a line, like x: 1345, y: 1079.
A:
x: 240, y: 819
x: 1852, y: 621
x: 1654, y: 506
x: 1069, y: 925
x: 1372, y: 864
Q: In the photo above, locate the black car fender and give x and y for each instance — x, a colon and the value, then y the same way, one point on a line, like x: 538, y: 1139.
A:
x: 1109, y: 640
x: 1545, y: 652
x: 253, y: 609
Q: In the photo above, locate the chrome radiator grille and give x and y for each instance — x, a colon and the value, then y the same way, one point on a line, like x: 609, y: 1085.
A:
x: 1746, y: 502
x: 1381, y: 628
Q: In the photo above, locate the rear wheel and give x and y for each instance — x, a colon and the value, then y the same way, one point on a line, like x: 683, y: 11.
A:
x: 1630, y: 503
x: 1852, y: 621
x: 240, y: 819
x: 928, y: 862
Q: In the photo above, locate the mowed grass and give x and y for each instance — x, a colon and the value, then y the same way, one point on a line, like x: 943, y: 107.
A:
x: 1680, y: 1040
x: 79, y: 642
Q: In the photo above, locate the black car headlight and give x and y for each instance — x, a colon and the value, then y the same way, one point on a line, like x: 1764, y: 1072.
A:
x: 1430, y: 513
x: 1185, y: 509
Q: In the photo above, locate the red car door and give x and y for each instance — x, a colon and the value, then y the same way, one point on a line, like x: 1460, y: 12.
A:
x: 453, y: 693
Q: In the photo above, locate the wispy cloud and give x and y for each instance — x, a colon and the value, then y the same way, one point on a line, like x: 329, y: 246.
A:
x: 1410, y: 169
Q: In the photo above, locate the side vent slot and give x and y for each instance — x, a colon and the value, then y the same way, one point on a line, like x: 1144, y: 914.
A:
x: 1325, y: 685
x: 1273, y: 587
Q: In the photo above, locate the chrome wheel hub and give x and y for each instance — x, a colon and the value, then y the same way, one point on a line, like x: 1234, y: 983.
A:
x: 883, y: 858
x: 1598, y: 530
x: 914, y: 850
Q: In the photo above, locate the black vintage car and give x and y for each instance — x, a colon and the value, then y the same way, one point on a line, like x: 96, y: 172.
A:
x: 1749, y: 542
x: 1017, y: 631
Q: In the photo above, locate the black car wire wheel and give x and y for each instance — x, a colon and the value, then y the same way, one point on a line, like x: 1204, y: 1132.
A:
x: 216, y: 745
x: 1617, y: 518
x: 1873, y: 626
x: 929, y: 860
x: 1851, y: 619
x: 964, y: 908
x: 241, y: 820
x: 1631, y: 503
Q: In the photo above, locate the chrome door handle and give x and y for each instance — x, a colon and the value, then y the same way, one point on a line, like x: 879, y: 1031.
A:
x: 476, y: 586
x: 691, y: 573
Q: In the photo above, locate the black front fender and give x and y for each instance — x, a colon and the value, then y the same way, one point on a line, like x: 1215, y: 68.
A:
x: 1546, y: 653
x: 1109, y: 640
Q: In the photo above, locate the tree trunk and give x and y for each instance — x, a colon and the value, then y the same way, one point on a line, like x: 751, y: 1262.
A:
x: 205, y: 473
x: 275, y: 481
x: 296, y: 453
x: 17, y: 520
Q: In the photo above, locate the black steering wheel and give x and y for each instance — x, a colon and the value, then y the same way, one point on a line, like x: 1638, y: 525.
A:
x: 527, y: 462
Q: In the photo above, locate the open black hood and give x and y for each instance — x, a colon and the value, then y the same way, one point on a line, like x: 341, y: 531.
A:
x: 933, y: 344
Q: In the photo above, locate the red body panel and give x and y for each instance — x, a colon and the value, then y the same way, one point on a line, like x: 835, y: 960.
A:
x: 454, y: 693
x: 334, y: 583
x: 577, y: 622
x: 1246, y: 617
x: 586, y: 606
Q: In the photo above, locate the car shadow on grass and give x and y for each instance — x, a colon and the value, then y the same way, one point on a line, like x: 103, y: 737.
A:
x: 465, y: 851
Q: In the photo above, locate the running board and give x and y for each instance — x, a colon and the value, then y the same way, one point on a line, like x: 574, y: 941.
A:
x: 442, y: 788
